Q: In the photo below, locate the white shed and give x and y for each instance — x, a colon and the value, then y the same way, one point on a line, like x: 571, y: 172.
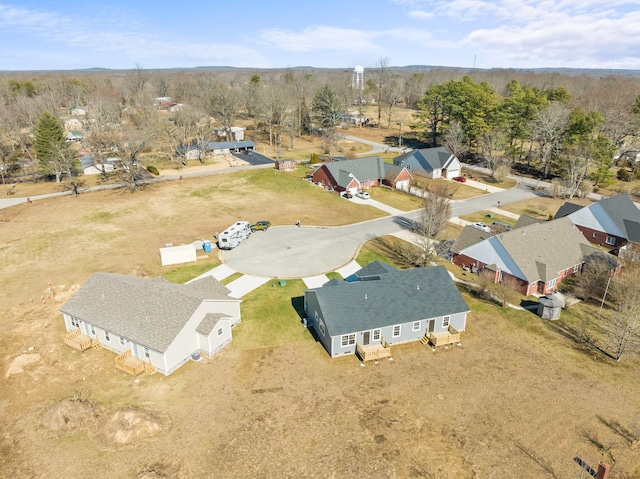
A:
x: 178, y: 254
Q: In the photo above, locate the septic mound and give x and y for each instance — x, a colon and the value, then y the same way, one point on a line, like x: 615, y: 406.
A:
x: 130, y: 425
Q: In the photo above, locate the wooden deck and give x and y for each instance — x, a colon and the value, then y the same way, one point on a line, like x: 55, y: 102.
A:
x: 450, y: 336
x: 79, y: 341
x: 131, y: 365
x: 373, y: 351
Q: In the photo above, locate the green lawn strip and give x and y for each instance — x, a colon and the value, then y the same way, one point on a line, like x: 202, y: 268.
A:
x: 271, y: 315
x: 231, y: 278
x: 483, y: 216
x: 396, y: 199
x: 186, y: 273
x: 334, y: 275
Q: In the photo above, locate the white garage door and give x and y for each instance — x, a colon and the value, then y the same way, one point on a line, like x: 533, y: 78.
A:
x: 402, y: 185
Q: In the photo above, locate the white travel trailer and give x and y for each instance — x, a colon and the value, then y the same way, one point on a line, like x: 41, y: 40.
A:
x: 234, y: 235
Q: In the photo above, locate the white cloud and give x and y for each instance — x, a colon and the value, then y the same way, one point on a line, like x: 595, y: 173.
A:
x: 22, y: 18
x: 421, y: 15
x: 318, y: 38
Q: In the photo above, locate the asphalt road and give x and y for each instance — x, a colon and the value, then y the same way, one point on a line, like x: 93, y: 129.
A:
x: 295, y: 252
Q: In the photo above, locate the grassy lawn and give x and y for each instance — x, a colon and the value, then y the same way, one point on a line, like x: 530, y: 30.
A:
x: 187, y: 272
x: 271, y: 316
x: 231, y: 278
x: 507, y: 183
x: 483, y: 216
x: 541, y: 207
x: 396, y: 199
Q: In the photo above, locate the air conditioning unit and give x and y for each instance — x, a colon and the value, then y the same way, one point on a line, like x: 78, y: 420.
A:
x: 305, y: 322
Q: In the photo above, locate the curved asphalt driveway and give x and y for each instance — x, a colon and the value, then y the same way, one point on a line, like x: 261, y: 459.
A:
x: 292, y: 252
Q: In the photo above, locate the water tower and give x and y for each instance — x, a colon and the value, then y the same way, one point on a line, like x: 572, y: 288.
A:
x: 357, y: 82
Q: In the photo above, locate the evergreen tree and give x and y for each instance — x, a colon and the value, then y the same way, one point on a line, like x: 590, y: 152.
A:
x: 51, y: 147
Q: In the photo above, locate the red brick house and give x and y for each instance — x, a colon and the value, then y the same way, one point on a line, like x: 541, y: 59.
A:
x: 612, y: 222
x: 539, y: 256
x: 361, y: 173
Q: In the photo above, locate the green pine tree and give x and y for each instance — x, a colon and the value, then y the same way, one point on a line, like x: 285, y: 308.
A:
x: 51, y: 147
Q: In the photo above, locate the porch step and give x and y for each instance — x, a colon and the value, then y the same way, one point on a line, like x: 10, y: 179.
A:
x: 96, y: 345
x: 424, y: 340
x: 149, y: 369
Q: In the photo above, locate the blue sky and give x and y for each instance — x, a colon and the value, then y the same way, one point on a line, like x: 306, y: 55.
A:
x: 70, y: 34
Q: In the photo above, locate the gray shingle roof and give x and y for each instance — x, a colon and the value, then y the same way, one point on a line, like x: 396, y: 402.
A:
x: 467, y: 237
x: 208, y: 323
x: 148, y: 312
x: 539, y: 251
x: 397, y: 297
x: 526, y: 220
x: 429, y: 159
x: 566, y: 209
x: 363, y: 169
x: 618, y: 216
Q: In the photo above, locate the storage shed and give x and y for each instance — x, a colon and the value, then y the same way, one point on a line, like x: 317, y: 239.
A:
x: 549, y: 306
x: 178, y: 254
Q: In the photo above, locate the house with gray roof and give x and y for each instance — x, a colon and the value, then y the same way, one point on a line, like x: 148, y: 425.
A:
x: 153, y: 323
x: 431, y: 162
x: 611, y: 222
x: 539, y: 256
x: 385, y: 306
x: 361, y: 173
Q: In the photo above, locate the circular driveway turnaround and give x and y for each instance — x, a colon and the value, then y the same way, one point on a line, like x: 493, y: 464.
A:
x: 293, y: 252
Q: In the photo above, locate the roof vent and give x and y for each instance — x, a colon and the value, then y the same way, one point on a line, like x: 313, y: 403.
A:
x: 365, y: 295
x: 418, y: 287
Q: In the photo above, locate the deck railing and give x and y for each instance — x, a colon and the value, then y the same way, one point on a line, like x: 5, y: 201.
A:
x: 77, y: 340
x: 442, y: 338
x: 373, y: 351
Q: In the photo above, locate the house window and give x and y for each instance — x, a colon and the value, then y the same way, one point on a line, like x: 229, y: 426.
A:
x: 595, y: 235
x: 219, y: 331
x: 376, y: 335
x: 93, y: 330
x: 122, y: 341
x: 416, y: 325
x: 408, y: 167
x: 106, y: 336
x: 348, y: 340
x: 396, y: 331
x: 322, y: 327
x: 551, y: 284
x: 610, y: 240
x: 445, y: 321
x: 75, y: 322
x: 576, y: 268
x: 146, y: 352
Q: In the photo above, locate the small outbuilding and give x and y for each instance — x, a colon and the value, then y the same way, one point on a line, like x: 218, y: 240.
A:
x: 549, y: 306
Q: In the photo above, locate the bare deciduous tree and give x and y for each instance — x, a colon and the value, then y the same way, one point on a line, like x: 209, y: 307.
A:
x: 624, y: 325
x: 455, y: 140
x: 436, y: 212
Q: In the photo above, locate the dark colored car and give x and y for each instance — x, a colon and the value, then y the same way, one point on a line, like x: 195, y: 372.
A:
x: 461, y: 179
x: 261, y: 226
x: 347, y: 195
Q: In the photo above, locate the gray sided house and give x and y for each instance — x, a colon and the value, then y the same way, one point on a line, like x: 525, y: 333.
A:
x: 384, y: 306
x: 431, y: 162
x: 150, y: 323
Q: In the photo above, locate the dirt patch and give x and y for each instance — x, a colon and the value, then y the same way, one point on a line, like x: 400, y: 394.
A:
x: 18, y: 365
x: 160, y: 470
x: 110, y: 429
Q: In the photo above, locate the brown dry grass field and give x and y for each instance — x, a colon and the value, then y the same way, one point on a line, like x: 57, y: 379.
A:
x: 518, y: 399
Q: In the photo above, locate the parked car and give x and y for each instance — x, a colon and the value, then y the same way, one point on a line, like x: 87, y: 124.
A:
x: 481, y: 226
x: 261, y: 226
x: 362, y: 195
x: 347, y: 195
x: 461, y: 179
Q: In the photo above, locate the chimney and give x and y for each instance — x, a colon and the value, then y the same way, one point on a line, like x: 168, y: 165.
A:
x: 603, y: 471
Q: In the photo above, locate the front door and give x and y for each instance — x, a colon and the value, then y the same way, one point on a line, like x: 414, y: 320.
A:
x: 431, y: 325
x: 134, y: 348
x: 366, y: 338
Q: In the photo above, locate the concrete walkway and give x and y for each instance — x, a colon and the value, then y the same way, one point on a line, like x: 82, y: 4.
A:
x: 245, y: 284
x: 348, y: 269
x: 315, y: 281
x: 376, y: 204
